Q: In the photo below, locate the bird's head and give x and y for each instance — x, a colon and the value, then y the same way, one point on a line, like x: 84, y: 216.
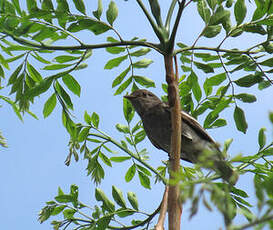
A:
x: 143, y: 100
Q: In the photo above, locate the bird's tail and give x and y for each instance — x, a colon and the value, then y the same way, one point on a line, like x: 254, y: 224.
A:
x: 213, y: 159
x: 226, y: 172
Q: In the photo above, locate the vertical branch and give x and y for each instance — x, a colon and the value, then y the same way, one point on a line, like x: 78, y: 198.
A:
x: 174, y: 208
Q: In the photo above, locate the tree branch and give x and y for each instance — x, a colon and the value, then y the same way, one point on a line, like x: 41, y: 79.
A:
x: 85, y: 46
x: 174, y: 208
x: 255, y: 222
x: 163, y: 210
x: 214, y: 49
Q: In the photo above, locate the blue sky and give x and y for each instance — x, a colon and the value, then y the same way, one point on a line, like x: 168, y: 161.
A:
x: 32, y: 167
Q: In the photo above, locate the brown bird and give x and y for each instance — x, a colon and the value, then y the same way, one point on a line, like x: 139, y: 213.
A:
x: 197, y: 146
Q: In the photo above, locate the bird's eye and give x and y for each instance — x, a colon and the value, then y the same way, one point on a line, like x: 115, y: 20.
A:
x: 144, y: 94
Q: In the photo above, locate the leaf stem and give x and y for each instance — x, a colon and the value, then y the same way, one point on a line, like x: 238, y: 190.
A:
x: 83, y: 47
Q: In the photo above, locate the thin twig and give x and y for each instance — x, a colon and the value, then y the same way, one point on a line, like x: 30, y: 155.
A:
x: 260, y: 68
x: 163, y: 210
x: 255, y: 222
x: 83, y: 47
x: 227, y: 73
x: 213, y: 49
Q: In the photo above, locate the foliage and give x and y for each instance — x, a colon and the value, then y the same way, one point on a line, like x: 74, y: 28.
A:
x: 29, y: 36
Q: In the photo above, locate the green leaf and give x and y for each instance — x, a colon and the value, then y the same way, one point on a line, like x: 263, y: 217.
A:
x: 213, y: 81
x: 96, y: 27
x: 224, y: 103
x: 17, y: 6
x: 65, y: 58
x: 122, y: 128
x: 112, y: 12
x: 144, y: 81
x: 240, y: 11
x: 144, y: 170
x: 262, y: 138
x: 128, y: 110
x: 123, y: 86
x: 49, y: 105
x: 258, y: 29
x: 62, y: 6
x: 193, y: 79
x: 218, y: 123
x: 216, y: 80
x: 103, y: 223
x: 242, y: 201
x: 105, y: 159
x: 95, y: 119
x: 39, y: 58
x: 239, y: 192
x: 56, y: 66
x: 64, y: 95
x: 34, y: 74
x: 79, y: 4
x: 141, y: 52
x: 139, y: 136
x: 248, y: 80
x: 268, y: 62
x: 87, y: 118
x: 248, y: 98
x: 39, y: 88
x: 271, y: 117
x: 205, y: 67
x: 47, y: 5
x: 72, y: 84
x: 258, y: 13
x: 203, y: 11
x: 31, y: 5
x: 114, y: 62
x: 120, y: 77
x: 119, y: 159
x: 98, y: 12
x: 212, y: 3
x: 212, y: 31
x: 64, y: 198
x: 131, y: 196
x: 2, y: 74
x: 144, y: 180
x: 240, y: 120
x: 144, y: 63
x: 15, y: 74
x: 130, y: 173
x: 107, y: 204
x: 118, y: 197
x: 219, y: 16
x: 115, y: 50
x: 83, y: 134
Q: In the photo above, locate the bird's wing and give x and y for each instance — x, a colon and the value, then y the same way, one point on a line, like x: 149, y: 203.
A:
x: 193, y: 123
x: 155, y: 143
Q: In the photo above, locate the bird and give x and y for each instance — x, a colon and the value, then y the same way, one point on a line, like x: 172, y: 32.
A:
x: 197, y: 146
